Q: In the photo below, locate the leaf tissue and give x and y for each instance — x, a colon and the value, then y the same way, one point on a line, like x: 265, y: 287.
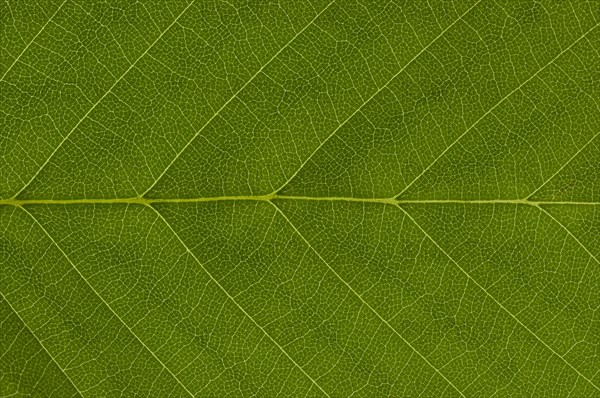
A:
x: 307, y: 198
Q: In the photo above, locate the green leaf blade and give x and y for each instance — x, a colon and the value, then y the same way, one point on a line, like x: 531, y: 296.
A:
x: 27, y: 368
x: 299, y: 198
x: 77, y: 327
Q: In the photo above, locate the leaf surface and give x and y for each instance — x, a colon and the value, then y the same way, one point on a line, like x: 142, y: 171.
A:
x: 300, y: 198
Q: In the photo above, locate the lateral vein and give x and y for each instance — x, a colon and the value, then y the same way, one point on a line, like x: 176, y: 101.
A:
x: 258, y: 72
x: 66, y: 137
x: 233, y: 299
x: 492, y: 109
x: 361, y: 299
x: 494, y: 299
x: 2, y: 297
x: 32, y: 40
x: 568, y: 231
x: 373, y: 96
x: 104, y: 301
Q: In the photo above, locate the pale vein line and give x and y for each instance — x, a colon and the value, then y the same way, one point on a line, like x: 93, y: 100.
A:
x: 232, y: 98
x: 494, y: 107
x: 373, y: 96
x: 563, y: 166
x: 361, y: 299
x: 32, y: 40
x: 40, y: 343
x: 493, y: 298
x: 102, y: 299
x: 262, y: 198
x: 66, y: 137
x: 233, y: 300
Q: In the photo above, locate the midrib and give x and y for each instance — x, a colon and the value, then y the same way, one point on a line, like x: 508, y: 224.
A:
x: 270, y: 197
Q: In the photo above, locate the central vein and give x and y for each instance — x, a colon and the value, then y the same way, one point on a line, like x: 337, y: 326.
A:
x: 270, y: 197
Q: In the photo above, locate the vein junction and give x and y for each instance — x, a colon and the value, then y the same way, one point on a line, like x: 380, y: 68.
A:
x: 274, y: 196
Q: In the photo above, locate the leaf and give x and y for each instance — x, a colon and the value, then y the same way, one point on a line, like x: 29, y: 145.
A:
x: 300, y: 198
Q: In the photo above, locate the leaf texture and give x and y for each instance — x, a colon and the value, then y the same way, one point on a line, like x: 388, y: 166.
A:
x: 300, y: 198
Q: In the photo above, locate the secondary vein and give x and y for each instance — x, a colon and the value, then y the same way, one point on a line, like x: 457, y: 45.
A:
x: 258, y: 72
x: 363, y: 300
x: 234, y: 301
x: 493, y: 298
x: 491, y: 110
x: 66, y: 137
x: 373, y: 96
x: 32, y: 40
x: 2, y: 297
x: 104, y: 301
